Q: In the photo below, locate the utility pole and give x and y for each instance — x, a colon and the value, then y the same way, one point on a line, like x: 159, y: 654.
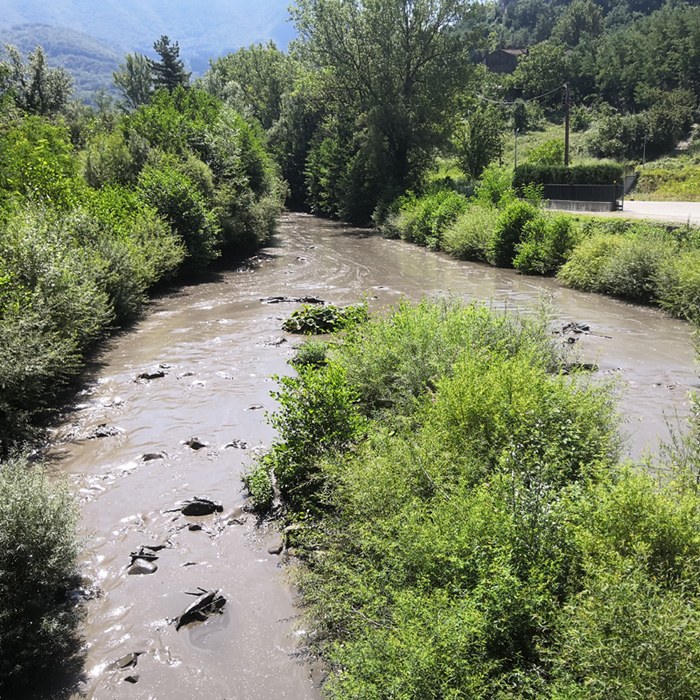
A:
x: 567, y: 106
x: 515, y: 154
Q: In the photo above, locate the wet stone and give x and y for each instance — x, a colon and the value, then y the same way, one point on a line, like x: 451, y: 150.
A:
x: 142, y: 567
x: 194, y: 527
x: 102, y: 431
x: 201, y: 506
x: 194, y: 443
x: 152, y: 373
x: 128, y: 660
x: 276, y: 548
x: 237, y: 445
x: 207, y: 603
x: 150, y: 456
x: 134, y: 678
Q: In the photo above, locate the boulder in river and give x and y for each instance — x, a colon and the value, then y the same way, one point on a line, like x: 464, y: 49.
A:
x: 198, y: 506
x: 150, y: 456
x: 142, y: 567
x: 292, y: 300
x: 152, y: 373
x: 102, y: 431
x: 194, y: 443
x: 237, y: 445
x: 207, y: 603
x: 128, y: 660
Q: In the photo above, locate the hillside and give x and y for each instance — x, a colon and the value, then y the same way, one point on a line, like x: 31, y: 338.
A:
x: 89, y: 61
x: 203, y: 31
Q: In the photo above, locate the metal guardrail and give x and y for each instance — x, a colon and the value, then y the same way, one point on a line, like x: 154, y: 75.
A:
x: 586, y: 193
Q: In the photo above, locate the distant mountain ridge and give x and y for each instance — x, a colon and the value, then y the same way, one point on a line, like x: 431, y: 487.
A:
x: 203, y: 30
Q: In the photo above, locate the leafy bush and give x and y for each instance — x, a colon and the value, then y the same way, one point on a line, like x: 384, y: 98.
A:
x: 312, y: 353
x: 546, y: 245
x: 495, y: 186
x: 548, y: 153
x: 626, y: 267
x: 509, y: 231
x: 313, y: 319
x: 422, y: 220
x: 258, y: 481
x: 175, y: 197
x: 474, y: 536
x: 469, y: 237
x: 38, y: 624
x: 677, y: 284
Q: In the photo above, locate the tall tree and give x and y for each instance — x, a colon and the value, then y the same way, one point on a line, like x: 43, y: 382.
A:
x: 35, y: 87
x: 263, y: 74
x: 396, y: 65
x: 134, y: 80
x: 169, y: 72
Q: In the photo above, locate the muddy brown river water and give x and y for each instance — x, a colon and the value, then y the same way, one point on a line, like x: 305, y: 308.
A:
x: 219, y: 345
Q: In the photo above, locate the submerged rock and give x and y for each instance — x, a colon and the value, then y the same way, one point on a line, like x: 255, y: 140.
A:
x: 150, y: 456
x: 207, y: 603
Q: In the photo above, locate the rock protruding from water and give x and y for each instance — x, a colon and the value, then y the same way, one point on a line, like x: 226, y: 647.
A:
x: 236, y: 445
x: 199, y: 506
x: 194, y: 443
x: 292, y: 300
x: 152, y: 373
x: 102, y: 431
x: 207, y: 603
x: 142, y: 567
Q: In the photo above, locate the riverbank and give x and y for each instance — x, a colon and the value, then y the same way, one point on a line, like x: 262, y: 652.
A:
x: 641, y: 261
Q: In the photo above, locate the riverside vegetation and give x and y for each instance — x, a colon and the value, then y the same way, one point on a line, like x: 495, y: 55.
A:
x: 97, y: 209
x: 639, y: 261
x: 465, y: 526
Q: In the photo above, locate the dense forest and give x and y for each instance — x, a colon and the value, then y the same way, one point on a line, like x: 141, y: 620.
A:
x: 466, y: 527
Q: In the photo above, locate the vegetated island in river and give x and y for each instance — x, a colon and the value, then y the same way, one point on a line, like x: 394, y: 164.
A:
x: 465, y: 525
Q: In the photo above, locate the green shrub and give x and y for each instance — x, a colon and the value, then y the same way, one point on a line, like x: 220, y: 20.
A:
x: 469, y: 237
x: 495, y: 187
x: 583, y: 270
x: 317, y: 415
x: 38, y: 624
x: 313, y: 319
x: 312, y: 353
x: 258, y: 481
x: 472, y: 536
x: 509, y: 232
x: 423, y: 220
x: 677, y: 285
x: 548, y: 153
x: 180, y: 203
x: 626, y: 267
x: 546, y: 245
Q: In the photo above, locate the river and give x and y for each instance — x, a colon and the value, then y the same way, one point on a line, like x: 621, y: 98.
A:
x: 219, y: 345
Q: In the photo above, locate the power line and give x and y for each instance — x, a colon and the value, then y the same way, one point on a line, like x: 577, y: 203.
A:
x: 505, y: 103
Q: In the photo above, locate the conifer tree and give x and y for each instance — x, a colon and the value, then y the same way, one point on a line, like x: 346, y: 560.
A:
x: 169, y: 72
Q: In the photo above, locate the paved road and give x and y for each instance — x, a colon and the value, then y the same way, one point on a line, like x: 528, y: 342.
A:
x: 681, y: 212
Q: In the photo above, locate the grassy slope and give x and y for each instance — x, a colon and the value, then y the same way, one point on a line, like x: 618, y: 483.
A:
x: 674, y: 177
